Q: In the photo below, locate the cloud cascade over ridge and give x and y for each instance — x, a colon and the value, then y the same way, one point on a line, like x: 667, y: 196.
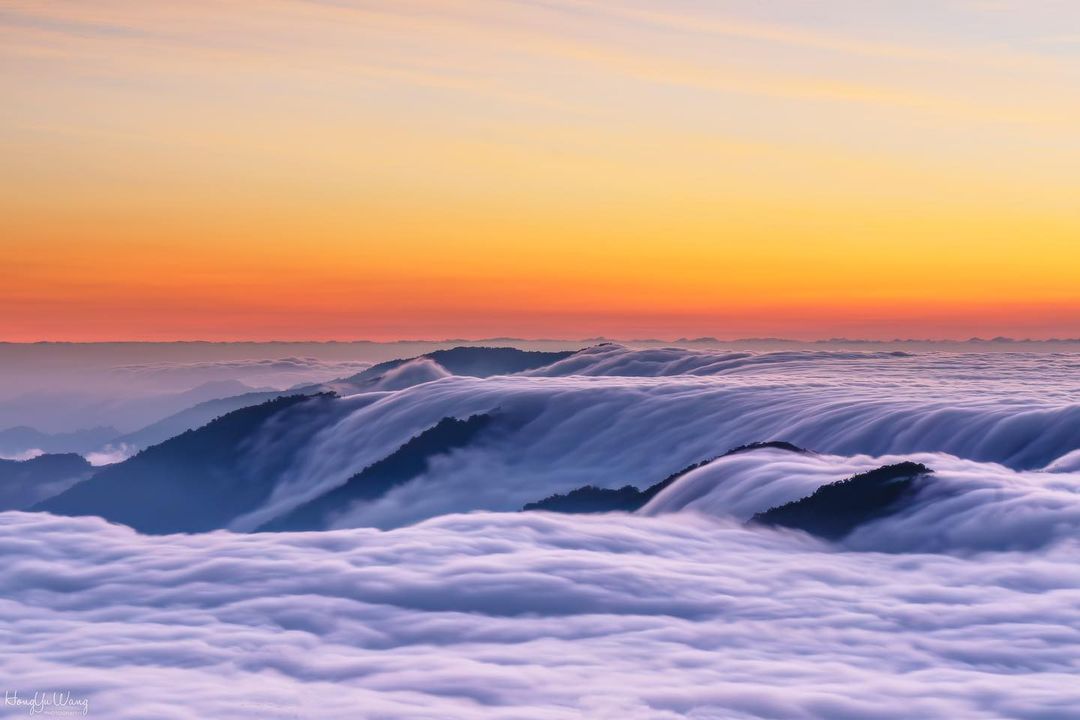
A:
x: 642, y: 415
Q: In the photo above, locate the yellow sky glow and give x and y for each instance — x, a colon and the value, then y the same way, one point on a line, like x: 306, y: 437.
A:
x: 297, y: 169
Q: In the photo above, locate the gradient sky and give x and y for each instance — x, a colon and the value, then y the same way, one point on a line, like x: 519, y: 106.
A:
x: 305, y: 169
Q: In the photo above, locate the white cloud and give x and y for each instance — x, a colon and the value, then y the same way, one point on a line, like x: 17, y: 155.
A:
x: 414, y: 372
x: 611, y: 417
x: 533, y: 616
x: 111, y: 455
x: 678, y: 612
x: 23, y: 456
x: 964, y: 506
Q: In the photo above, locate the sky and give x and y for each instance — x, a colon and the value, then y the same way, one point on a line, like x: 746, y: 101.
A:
x: 343, y: 169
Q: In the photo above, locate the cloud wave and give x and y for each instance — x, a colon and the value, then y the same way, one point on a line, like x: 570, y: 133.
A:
x: 533, y: 616
x: 611, y: 416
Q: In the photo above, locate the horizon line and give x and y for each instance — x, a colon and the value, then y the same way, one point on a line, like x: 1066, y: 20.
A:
x: 594, y: 340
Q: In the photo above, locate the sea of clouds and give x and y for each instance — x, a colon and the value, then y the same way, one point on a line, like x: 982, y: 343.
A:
x: 611, y: 416
x: 533, y: 616
x: 439, y: 600
x: 963, y: 507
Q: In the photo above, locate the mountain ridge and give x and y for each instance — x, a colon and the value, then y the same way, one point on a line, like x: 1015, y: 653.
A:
x: 189, y: 483
x: 592, y: 499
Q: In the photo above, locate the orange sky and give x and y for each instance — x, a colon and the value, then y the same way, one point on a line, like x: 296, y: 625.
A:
x: 299, y: 169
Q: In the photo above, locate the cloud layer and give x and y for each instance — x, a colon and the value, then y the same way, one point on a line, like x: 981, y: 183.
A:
x: 532, y: 616
x: 611, y: 416
x: 964, y: 506
x: 964, y: 605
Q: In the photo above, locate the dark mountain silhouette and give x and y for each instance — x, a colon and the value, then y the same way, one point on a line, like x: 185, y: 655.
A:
x: 193, y: 417
x: 404, y: 464
x: 471, y: 361
x: 22, y: 438
x: 24, y: 483
x: 197, y: 481
x: 770, y: 445
x: 834, y: 510
x: 592, y: 499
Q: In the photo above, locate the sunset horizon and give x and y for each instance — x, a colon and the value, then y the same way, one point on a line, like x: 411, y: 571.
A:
x: 807, y: 322
x: 557, y: 168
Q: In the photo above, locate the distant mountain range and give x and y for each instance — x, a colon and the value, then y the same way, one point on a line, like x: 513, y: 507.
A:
x: 20, y: 439
x: 194, y: 477
x: 312, y: 460
x: 198, y: 481
x: 192, y: 417
x: 27, y: 482
x: 465, y: 361
x: 194, y: 482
